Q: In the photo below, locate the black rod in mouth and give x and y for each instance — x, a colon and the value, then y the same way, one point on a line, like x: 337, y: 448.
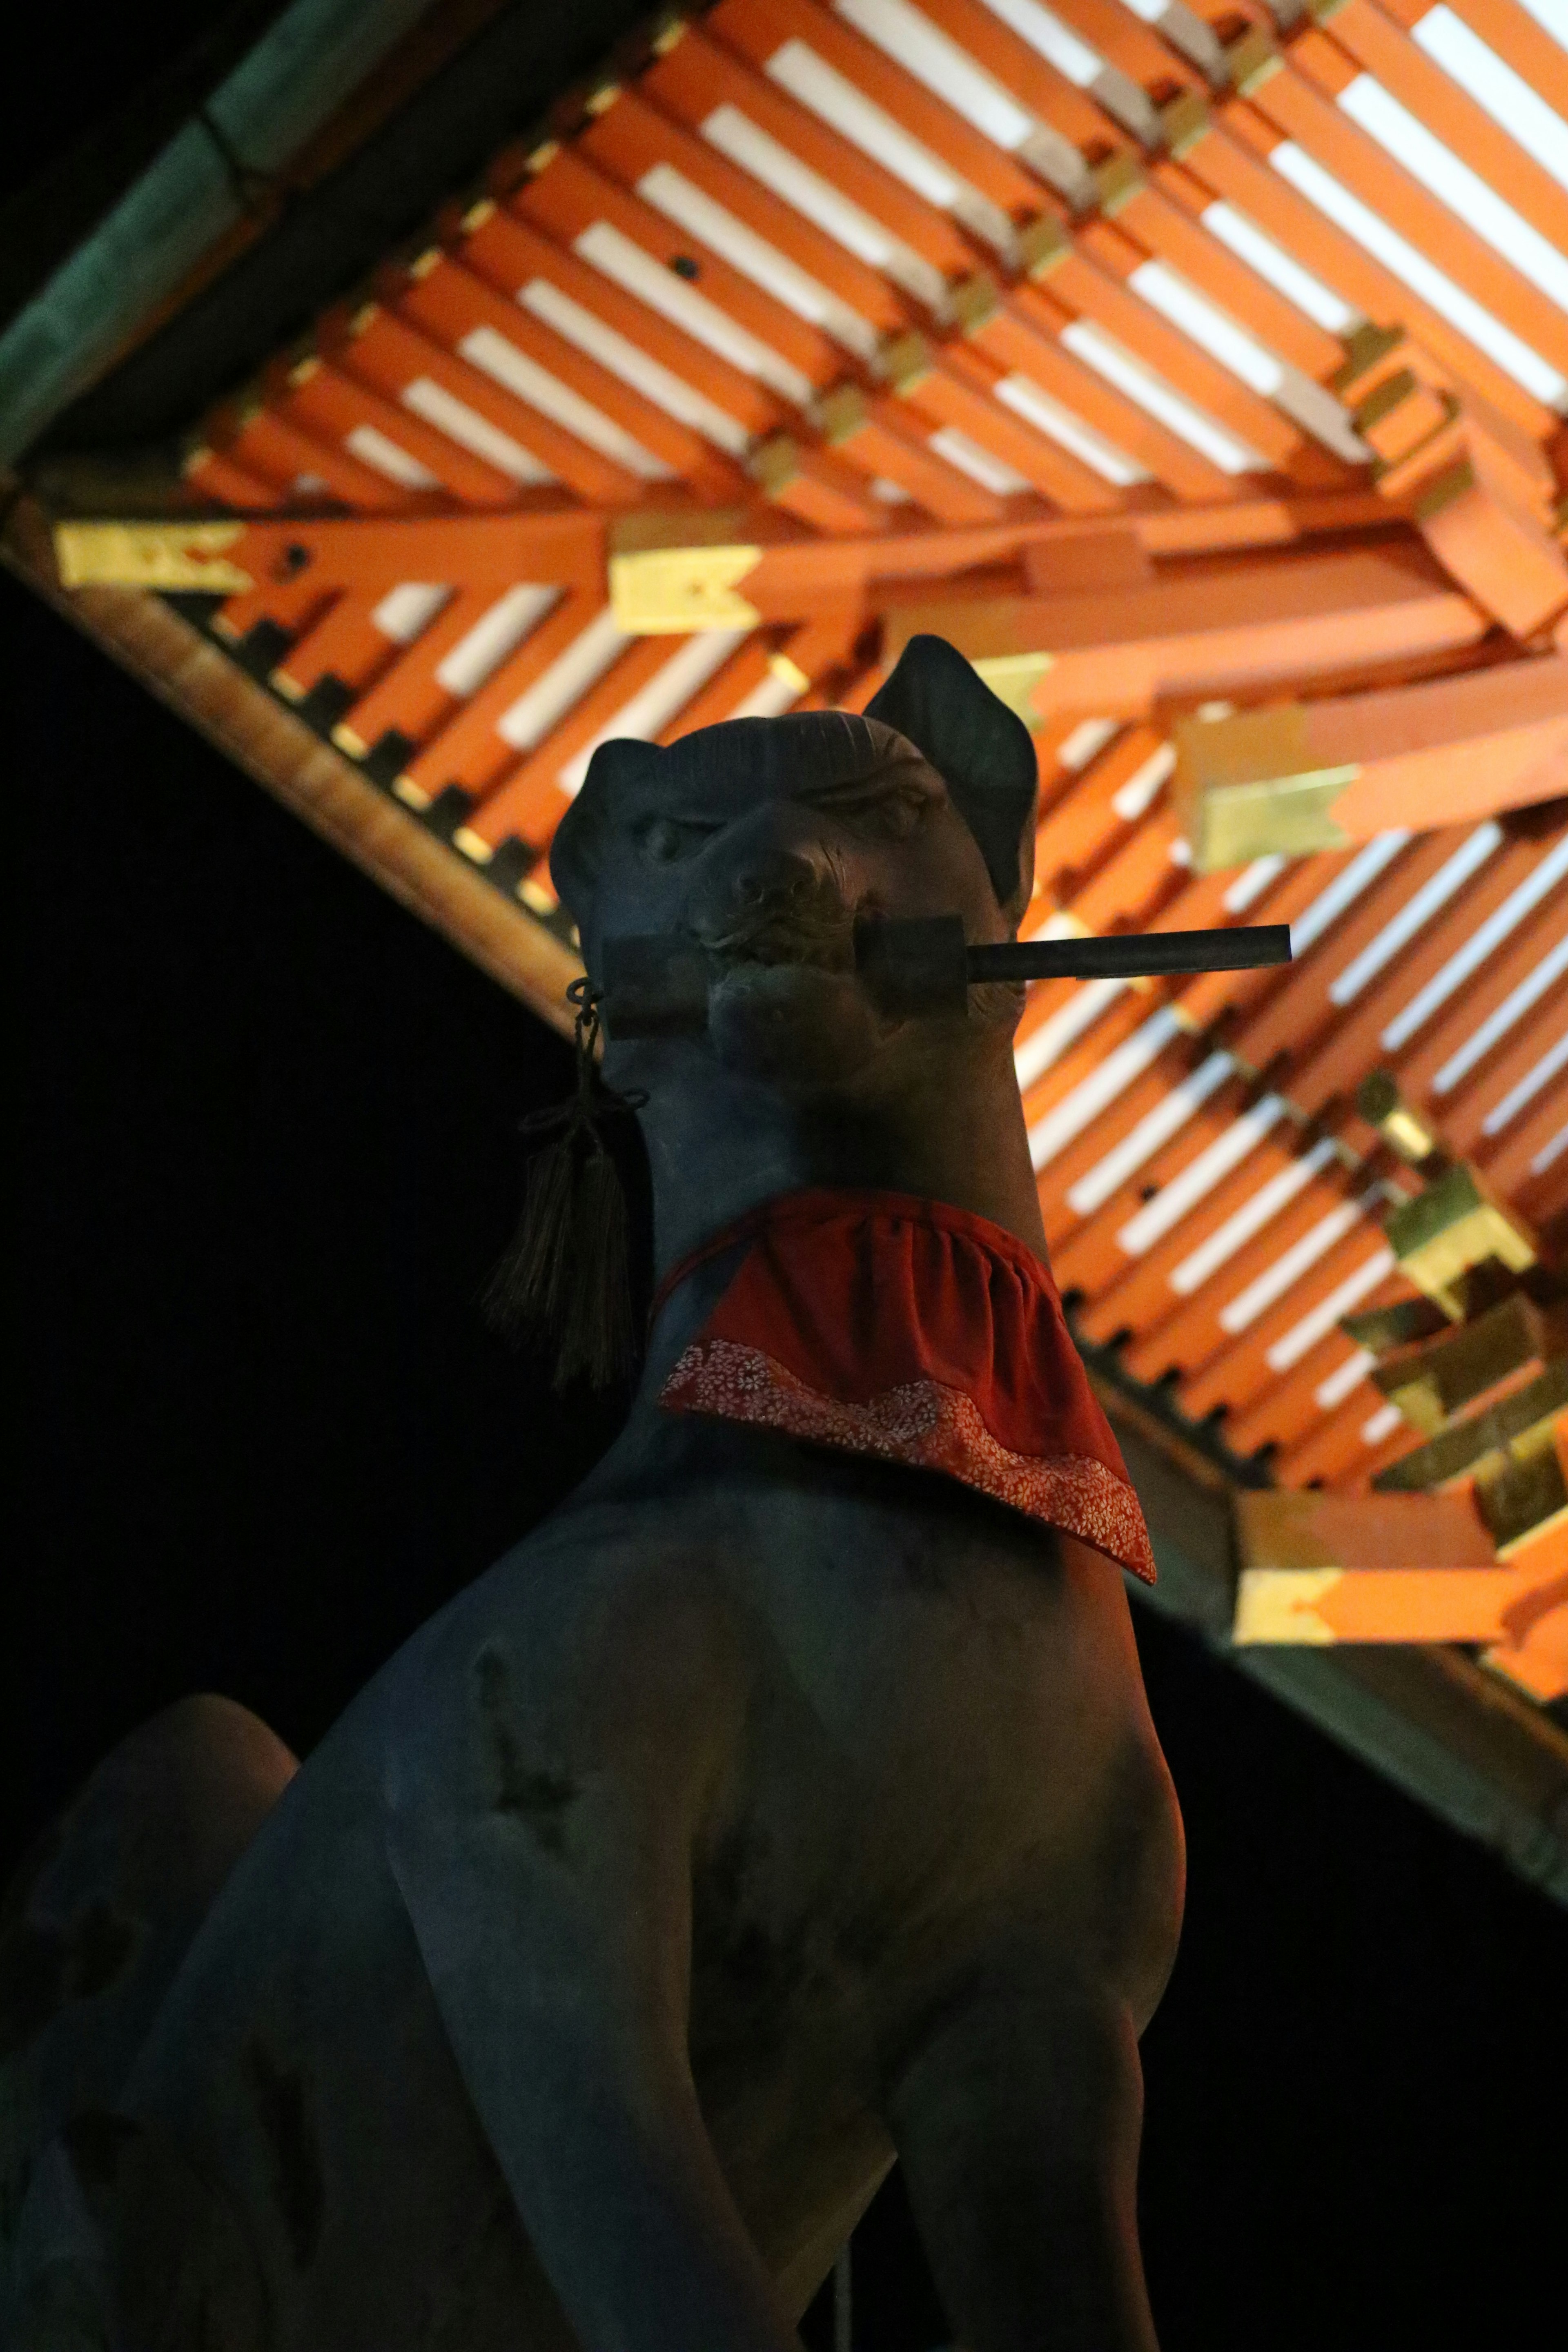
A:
x: 1133, y: 955
x: 927, y: 966
x: 656, y: 983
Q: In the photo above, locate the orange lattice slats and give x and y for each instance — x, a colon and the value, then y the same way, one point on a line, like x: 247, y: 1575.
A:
x: 672, y: 309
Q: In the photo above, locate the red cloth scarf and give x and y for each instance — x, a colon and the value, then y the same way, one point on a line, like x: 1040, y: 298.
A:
x: 884, y: 1325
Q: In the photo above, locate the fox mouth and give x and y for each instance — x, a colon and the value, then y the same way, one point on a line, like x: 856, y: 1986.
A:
x: 823, y: 946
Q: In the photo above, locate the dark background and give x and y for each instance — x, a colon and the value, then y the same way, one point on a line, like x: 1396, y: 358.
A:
x: 263, y: 1136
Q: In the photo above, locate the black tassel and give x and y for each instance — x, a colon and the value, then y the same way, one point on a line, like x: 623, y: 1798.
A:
x: 564, y: 1278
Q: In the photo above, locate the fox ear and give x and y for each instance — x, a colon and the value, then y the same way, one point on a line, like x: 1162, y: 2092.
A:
x: 982, y: 750
x: 577, y: 849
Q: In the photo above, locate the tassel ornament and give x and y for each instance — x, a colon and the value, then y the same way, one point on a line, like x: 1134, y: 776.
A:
x: 564, y: 1278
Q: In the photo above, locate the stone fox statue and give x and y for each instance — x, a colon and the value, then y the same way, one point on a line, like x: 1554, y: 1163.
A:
x: 784, y: 1806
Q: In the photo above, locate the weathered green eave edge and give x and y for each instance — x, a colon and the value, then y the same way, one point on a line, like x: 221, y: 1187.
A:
x: 296, y: 76
x: 1437, y: 1726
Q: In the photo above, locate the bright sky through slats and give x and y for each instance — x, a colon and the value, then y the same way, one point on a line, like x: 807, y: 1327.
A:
x: 464, y: 425
x: 656, y: 704
x: 545, y: 703
x: 816, y: 200
x: 1345, y: 889
x: 1120, y: 1066
x: 376, y: 449
x: 1453, y: 184
x: 1156, y: 1128
x: 1182, y: 1194
x: 1504, y: 1113
x: 1051, y: 39
x: 1416, y: 912
x: 1507, y: 97
x: 1461, y: 310
x: 836, y: 100
x: 407, y: 609
x: 1289, y: 1267
x: 1319, y: 1321
x: 501, y: 359
x: 1180, y: 415
x: 1482, y: 941
x: 622, y: 357
x: 1340, y: 1383
x: 1251, y: 1217
x: 1282, y: 269
x: 1061, y: 425
x: 502, y: 626
x: 1048, y: 1044
x: 925, y: 51
x: 1512, y: 1009
x: 692, y: 209
x: 625, y: 261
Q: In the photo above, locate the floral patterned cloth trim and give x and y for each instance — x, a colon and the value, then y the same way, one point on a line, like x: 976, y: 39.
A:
x: 927, y: 1425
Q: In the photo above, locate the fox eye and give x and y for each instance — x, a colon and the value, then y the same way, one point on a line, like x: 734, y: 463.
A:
x: 665, y: 839
x: 887, y: 816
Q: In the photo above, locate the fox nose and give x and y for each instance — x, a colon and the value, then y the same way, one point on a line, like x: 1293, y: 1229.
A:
x: 774, y: 876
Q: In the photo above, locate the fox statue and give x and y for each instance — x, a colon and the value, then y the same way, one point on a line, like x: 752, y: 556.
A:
x: 787, y: 1805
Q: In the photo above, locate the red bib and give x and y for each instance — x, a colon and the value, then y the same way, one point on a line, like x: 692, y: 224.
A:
x: 884, y: 1325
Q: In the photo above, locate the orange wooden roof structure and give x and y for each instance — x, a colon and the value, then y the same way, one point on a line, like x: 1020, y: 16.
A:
x: 1201, y: 371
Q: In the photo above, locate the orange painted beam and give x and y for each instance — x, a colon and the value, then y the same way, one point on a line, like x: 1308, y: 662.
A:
x: 1298, y: 99
x: 531, y: 802
x: 512, y: 256
x: 816, y: 486
x: 1227, y: 153
x: 221, y: 477
x: 468, y: 751
x: 573, y: 204
x: 1447, y: 750
x: 327, y: 402
x: 760, y: 29
x: 879, y: 437
x: 396, y: 357
x: 630, y: 140
x: 1330, y: 1568
x: 451, y: 303
x: 1221, y: 627
x: 307, y: 466
x: 1019, y: 333
x: 1242, y: 1371
x: 698, y: 76
x: 1081, y: 826
x: 553, y: 541
x: 343, y: 645
x: 410, y: 700
x: 1141, y: 874
x: 290, y: 601
x: 954, y: 391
